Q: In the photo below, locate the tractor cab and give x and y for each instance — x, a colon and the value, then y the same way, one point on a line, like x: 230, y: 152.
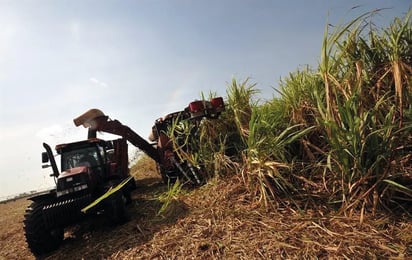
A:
x: 83, y: 166
x: 91, y: 153
x: 87, y: 165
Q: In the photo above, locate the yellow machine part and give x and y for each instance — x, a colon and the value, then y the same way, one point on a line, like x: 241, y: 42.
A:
x: 107, y: 194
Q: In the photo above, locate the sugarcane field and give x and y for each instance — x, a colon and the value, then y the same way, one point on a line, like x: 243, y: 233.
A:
x: 320, y: 168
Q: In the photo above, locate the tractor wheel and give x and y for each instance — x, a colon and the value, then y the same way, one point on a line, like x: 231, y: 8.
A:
x: 40, y: 239
x: 115, y: 208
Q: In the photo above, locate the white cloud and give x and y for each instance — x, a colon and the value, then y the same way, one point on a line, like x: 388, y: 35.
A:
x: 15, y: 132
x: 75, y: 30
x: 21, y: 160
x: 98, y: 82
x: 7, y: 34
x: 56, y: 134
x: 50, y: 131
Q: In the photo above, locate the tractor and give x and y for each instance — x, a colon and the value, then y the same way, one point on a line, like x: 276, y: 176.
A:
x: 95, y: 178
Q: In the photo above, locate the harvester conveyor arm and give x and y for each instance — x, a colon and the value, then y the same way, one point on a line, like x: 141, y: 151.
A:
x: 95, y: 120
x: 117, y: 128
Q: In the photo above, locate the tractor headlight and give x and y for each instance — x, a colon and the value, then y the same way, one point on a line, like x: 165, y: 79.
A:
x: 81, y: 187
x: 71, y: 190
x: 63, y: 192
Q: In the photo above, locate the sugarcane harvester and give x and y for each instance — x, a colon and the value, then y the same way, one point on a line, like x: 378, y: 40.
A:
x: 95, y: 176
x: 171, y: 143
x: 163, y: 148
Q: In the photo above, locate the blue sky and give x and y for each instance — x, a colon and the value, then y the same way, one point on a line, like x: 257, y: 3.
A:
x: 139, y: 60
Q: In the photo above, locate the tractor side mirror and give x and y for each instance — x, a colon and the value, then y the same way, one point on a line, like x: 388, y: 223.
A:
x: 44, y: 157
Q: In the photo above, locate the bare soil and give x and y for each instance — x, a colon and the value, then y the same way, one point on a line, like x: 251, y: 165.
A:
x: 217, y: 221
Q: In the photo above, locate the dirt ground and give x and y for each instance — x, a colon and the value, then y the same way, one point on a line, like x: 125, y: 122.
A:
x: 92, y: 238
x: 12, y: 241
x: 216, y: 221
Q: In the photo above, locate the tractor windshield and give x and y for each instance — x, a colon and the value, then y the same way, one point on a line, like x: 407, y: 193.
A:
x: 81, y: 157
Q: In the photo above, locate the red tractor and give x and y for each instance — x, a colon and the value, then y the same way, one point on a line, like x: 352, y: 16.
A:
x: 95, y: 176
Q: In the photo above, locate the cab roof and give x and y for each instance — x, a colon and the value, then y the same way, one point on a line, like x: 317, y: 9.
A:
x: 81, y: 144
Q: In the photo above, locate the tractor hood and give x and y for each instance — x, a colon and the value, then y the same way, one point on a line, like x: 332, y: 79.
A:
x: 73, y: 171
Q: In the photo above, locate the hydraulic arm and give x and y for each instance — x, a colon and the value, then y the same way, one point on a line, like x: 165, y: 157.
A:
x: 95, y: 120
